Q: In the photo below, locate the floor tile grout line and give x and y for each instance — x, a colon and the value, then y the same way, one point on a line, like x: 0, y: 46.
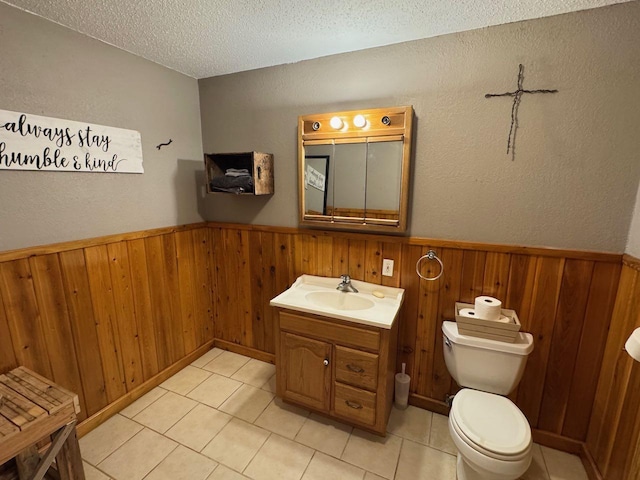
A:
x: 262, y: 412
x: 120, y: 445
x: 374, y: 473
x: 346, y: 443
x: 225, y: 425
x: 158, y: 464
x: 131, y: 418
x: 266, y: 383
x: 210, y: 350
x: 173, y: 424
x: 257, y: 451
x: 235, y: 371
x: 229, y: 398
x: 395, y: 470
x: 138, y: 433
x: 309, y: 463
x: 402, y: 438
x: 99, y: 469
x: 195, y: 386
x: 544, y: 460
x: 220, y: 405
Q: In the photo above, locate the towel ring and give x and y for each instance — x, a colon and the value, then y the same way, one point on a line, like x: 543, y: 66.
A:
x: 431, y: 255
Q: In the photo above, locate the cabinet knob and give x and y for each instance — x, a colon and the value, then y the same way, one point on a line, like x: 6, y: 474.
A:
x: 326, y: 362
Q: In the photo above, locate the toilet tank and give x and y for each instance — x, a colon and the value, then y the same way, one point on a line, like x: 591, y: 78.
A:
x: 487, y: 365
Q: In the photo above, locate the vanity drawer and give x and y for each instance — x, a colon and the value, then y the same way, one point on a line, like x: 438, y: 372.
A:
x: 330, y: 331
x: 356, y: 368
x: 355, y: 404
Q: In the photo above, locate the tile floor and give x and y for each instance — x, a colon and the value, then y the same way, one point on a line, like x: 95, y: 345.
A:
x: 219, y: 419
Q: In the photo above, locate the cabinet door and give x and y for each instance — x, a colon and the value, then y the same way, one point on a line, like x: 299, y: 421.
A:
x: 307, y: 373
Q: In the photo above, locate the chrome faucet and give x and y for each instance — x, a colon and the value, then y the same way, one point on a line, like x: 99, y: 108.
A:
x: 345, y: 285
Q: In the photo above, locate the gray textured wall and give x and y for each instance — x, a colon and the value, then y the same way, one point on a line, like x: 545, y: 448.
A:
x: 633, y: 243
x: 575, y: 175
x: 46, y: 69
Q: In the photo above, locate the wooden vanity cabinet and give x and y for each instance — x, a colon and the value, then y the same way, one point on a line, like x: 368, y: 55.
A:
x: 307, y: 380
x: 337, y: 368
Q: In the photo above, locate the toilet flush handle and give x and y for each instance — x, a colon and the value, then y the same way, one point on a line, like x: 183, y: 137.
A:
x: 447, y: 342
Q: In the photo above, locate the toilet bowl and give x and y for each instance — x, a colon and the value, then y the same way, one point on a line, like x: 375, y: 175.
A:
x: 492, y: 435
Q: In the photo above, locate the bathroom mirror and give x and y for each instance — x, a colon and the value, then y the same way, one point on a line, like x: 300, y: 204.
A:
x: 354, y: 169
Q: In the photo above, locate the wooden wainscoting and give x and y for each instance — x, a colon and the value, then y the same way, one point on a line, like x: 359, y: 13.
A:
x: 564, y: 298
x: 108, y: 317
x: 614, y: 431
x: 103, y: 316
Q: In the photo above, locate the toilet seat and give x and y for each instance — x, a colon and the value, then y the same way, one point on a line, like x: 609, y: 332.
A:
x: 491, y: 425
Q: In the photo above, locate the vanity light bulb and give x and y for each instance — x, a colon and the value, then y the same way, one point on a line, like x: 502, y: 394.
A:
x: 359, y: 121
x: 336, y: 123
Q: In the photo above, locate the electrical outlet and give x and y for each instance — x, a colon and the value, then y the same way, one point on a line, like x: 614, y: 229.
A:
x: 387, y: 267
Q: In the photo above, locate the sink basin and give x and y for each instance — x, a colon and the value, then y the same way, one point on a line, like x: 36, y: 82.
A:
x: 318, y: 296
x: 339, y: 300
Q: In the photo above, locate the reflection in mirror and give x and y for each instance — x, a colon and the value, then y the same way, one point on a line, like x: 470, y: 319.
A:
x: 384, y: 172
x: 354, y: 173
x: 350, y: 164
x: 317, y: 183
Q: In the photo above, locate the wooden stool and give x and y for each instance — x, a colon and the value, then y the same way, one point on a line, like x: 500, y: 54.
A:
x: 33, y: 408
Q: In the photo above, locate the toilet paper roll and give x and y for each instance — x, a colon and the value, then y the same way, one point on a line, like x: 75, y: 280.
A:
x: 467, y: 313
x: 471, y: 313
x: 633, y: 345
x: 488, y: 308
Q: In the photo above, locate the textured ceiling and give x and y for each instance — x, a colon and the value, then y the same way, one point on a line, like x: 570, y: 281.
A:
x: 203, y: 38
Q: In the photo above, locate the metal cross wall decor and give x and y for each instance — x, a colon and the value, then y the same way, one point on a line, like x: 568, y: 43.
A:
x: 517, y: 96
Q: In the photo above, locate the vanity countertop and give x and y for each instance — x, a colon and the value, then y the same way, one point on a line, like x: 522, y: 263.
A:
x: 374, y: 305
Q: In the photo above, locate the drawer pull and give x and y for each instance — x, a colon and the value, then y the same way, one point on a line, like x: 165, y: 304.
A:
x: 355, y: 369
x: 351, y: 404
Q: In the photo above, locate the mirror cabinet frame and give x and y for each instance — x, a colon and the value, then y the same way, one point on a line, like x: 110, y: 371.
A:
x: 381, y: 124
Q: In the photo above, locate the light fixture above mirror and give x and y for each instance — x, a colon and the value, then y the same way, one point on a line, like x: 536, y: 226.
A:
x: 354, y: 169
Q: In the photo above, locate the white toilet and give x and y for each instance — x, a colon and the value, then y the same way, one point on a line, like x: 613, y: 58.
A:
x: 491, y: 434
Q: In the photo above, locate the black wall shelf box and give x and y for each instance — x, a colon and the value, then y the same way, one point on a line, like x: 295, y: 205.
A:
x: 259, y: 165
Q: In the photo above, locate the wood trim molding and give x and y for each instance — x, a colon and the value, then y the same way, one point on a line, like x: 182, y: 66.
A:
x: 247, y: 351
x: 631, y: 262
x: 589, y: 464
x: 434, y: 243
x: 569, y: 445
x: 520, y: 249
x: 558, y: 442
x: 428, y: 404
x: 110, y: 410
x: 18, y: 254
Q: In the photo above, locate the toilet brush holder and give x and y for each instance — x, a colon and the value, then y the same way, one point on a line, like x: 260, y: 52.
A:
x: 402, y: 389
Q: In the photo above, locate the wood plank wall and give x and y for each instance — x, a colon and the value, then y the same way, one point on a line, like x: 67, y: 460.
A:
x: 102, y: 316
x: 613, y: 439
x: 564, y: 298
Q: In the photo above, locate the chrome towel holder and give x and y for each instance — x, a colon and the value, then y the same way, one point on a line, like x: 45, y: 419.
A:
x: 430, y: 255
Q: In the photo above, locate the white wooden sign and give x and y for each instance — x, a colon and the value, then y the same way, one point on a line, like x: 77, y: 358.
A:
x: 32, y: 142
x: 315, y: 178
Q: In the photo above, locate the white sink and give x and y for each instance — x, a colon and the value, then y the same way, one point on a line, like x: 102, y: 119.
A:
x: 339, y: 300
x: 318, y: 296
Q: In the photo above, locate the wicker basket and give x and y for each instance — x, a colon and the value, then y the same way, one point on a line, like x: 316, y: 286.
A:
x: 477, y: 327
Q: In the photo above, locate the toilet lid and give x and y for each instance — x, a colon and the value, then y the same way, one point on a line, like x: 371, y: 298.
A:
x: 492, y: 422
